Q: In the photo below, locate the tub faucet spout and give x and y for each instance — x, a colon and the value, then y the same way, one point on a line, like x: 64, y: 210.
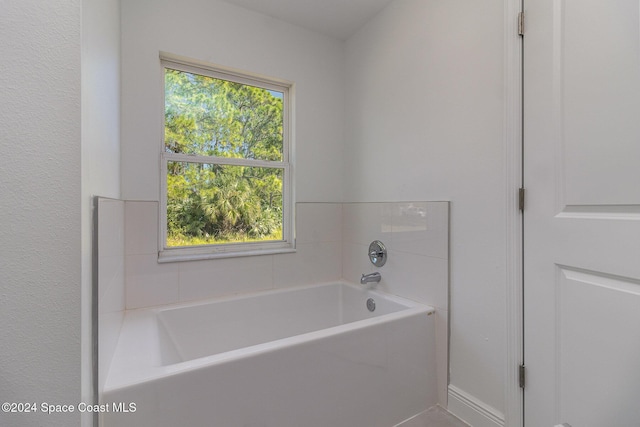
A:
x: 371, y: 277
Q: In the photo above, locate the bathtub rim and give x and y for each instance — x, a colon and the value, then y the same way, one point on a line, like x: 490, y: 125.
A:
x: 147, y: 367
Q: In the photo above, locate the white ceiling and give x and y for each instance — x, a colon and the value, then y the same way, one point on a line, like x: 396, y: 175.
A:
x: 335, y: 18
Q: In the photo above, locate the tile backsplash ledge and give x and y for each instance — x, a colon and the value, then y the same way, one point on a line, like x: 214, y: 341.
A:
x: 331, y: 244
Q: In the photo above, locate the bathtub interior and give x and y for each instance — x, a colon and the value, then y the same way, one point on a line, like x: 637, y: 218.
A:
x: 201, y: 330
x: 374, y: 372
x: 162, y: 341
x: 336, y: 364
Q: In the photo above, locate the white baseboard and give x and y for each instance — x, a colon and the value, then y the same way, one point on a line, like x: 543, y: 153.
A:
x: 473, y: 411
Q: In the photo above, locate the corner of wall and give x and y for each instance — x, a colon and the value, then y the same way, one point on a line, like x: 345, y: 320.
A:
x: 100, y: 171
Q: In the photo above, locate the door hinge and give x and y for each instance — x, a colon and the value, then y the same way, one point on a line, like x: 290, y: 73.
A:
x: 521, y: 199
x: 521, y: 376
x: 521, y: 24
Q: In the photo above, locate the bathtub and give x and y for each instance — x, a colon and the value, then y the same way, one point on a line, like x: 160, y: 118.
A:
x: 313, y: 356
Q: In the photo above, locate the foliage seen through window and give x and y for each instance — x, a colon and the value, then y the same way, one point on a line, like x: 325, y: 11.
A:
x: 208, y: 200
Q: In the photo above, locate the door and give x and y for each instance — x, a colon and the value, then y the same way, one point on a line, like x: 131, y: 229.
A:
x: 582, y: 213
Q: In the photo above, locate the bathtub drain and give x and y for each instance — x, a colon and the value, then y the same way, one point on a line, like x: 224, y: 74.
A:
x: 371, y: 304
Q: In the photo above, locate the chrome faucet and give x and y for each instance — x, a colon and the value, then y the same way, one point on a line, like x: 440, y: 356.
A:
x: 371, y: 277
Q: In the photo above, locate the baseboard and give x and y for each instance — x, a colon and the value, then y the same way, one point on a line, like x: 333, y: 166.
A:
x: 436, y: 414
x: 473, y: 411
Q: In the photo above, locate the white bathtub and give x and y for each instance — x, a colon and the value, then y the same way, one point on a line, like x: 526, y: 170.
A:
x: 305, y: 357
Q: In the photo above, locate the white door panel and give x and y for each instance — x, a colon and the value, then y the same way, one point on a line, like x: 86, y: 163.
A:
x: 599, y: 379
x: 596, y: 75
x: 582, y: 217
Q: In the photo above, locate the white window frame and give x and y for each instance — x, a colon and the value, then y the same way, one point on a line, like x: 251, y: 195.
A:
x: 227, y: 250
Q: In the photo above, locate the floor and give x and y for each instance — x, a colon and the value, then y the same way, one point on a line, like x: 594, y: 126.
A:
x: 434, y: 417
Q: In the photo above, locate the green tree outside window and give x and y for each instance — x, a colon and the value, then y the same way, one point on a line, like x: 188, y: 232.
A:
x: 212, y: 203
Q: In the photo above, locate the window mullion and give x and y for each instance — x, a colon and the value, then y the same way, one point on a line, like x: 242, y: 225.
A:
x: 232, y: 161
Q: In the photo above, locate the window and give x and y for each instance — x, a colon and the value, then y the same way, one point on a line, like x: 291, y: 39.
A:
x: 226, y: 164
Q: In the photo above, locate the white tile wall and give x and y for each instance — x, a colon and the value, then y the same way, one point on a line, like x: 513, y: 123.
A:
x: 416, y: 235
x: 111, y: 281
x: 141, y: 219
x: 318, y: 256
x: 317, y: 262
x: 149, y: 283
x: 412, y: 276
x: 206, y: 279
x: 364, y: 222
x: 421, y: 228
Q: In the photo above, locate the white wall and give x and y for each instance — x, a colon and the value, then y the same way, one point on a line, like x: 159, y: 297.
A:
x: 227, y: 35
x: 424, y: 121
x: 40, y: 218
x: 424, y: 107
x: 423, y: 100
x: 230, y: 36
x: 100, y: 169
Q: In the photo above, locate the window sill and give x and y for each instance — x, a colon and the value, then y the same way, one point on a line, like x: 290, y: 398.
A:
x: 203, y: 253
